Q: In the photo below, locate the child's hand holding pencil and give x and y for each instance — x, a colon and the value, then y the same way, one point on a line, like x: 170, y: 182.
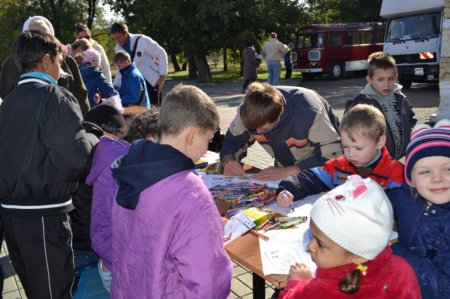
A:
x: 285, y: 199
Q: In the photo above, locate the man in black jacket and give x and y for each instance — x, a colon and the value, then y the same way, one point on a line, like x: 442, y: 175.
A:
x: 44, y: 147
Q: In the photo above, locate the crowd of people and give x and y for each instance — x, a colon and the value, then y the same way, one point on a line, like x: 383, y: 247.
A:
x: 95, y: 164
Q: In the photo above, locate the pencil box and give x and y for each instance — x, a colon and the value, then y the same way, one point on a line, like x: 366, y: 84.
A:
x: 258, y: 216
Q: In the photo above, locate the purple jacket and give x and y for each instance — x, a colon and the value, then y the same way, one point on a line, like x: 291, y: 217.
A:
x: 170, y: 245
x: 105, y: 189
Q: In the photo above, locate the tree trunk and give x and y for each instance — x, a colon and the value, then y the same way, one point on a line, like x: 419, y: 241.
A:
x: 192, y: 68
x: 176, y: 66
x: 225, y: 63
x: 204, y: 73
x: 184, y: 66
x: 92, y: 4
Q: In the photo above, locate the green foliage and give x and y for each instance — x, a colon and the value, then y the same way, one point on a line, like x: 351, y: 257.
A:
x: 13, y: 13
x: 185, y: 28
x: 332, y: 11
x: 63, y: 14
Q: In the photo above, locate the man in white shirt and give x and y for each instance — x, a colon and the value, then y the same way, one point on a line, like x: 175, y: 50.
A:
x: 273, y: 51
x: 150, y: 58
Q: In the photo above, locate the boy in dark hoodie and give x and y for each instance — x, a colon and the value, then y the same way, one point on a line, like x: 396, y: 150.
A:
x: 167, y: 234
x: 383, y: 92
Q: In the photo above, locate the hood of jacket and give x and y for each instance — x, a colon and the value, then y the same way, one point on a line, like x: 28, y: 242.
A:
x: 107, y: 151
x: 146, y: 164
x: 368, y: 90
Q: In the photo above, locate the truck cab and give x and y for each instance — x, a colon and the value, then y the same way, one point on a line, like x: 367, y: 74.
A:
x: 413, y: 37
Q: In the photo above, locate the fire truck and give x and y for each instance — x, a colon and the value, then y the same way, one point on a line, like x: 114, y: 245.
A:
x: 335, y: 49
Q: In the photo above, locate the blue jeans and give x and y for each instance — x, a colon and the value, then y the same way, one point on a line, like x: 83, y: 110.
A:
x: 105, y: 275
x: 274, y: 68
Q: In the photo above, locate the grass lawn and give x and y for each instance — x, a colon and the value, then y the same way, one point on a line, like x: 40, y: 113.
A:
x: 218, y: 75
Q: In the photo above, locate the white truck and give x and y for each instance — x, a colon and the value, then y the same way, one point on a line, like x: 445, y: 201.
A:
x: 413, y: 37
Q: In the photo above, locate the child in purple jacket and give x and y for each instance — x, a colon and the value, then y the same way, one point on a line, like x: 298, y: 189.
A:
x: 167, y: 232
x: 112, y: 145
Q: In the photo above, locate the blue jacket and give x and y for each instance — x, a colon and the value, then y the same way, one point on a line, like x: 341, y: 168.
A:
x: 96, y: 82
x: 424, y: 240
x: 133, y: 90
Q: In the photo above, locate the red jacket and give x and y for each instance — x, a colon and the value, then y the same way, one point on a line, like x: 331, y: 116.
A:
x: 388, y: 173
x: 388, y: 276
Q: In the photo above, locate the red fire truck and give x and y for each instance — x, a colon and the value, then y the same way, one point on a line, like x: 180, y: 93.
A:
x: 336, y: 48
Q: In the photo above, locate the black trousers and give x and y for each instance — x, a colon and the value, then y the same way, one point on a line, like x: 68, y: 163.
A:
x: 154, y: 95
x: 288, y: 73
x: 40, y: 249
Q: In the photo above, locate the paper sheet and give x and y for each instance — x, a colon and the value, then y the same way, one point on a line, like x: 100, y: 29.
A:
x: 285, y: 248
x: 236, y: 226
x: 302, y: 207
x: 288, y: 246
x: 211, y: 157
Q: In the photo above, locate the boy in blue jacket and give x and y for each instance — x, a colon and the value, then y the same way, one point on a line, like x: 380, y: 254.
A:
x: 133, y: 90
x: 363, y: 138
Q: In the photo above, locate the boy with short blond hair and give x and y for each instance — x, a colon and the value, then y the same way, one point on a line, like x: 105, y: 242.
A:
x: 164, y: 215
x: 363, y: 138
x: 382, y: 92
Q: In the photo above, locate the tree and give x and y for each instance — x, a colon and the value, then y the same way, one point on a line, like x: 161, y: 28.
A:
x: 13, y: 13
x: 332, y: 11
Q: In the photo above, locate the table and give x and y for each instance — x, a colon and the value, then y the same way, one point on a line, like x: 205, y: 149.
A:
x: 245, y: 251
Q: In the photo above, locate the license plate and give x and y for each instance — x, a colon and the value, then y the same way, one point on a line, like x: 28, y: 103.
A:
x: 418, y: 71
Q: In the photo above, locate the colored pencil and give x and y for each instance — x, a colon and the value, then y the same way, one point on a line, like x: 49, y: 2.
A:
x: 258, y: 234
x: 272, y: 226
x: 263, y: 224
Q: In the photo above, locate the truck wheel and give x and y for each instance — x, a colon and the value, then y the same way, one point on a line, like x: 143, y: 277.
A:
x: 405, y: 83
x: 336, y: 71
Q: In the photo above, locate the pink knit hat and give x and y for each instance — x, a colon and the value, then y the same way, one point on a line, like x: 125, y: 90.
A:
x: 91, y: 57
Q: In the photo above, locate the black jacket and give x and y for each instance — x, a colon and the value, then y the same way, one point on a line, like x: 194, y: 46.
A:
x: 43, y: 148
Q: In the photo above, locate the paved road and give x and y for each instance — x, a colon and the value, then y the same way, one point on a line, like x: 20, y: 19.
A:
x: 227, y: 95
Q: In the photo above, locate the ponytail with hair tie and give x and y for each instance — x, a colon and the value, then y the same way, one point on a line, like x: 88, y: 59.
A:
x: 351, y: 281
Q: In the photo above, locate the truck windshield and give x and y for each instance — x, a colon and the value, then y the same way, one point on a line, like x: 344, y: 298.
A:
x: 422, y: 27
x: 310, y: 40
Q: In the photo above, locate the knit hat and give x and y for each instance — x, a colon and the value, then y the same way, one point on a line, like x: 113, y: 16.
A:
x: 356, y: 215
x: 427, y: 142
x: 38, y: 19
x: 106, y: 117
x: 91, y: 57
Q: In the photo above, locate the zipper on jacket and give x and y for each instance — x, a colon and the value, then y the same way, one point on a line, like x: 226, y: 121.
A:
x: 425, y: 213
